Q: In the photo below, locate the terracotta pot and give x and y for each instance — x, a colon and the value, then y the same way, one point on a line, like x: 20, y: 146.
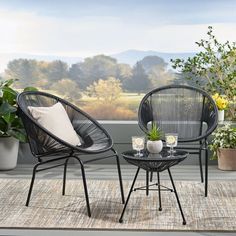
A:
x: 226, y: 158
x: 154, y: 146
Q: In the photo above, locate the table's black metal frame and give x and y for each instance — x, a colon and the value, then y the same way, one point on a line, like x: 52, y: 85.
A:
x: 158, y: 184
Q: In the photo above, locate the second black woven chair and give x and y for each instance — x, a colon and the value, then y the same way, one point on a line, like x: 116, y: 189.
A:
x: 52, y: 151
x: 185, y: 110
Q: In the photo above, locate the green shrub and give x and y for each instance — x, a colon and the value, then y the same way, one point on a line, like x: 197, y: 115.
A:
x: 223, y: 137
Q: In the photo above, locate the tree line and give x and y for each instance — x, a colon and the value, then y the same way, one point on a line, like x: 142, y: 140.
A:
x: 147, y: 73
x: 99, y: 85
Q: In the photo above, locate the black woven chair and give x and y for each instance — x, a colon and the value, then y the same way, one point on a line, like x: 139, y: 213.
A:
x: 49, y: 149
x: 185, y: 110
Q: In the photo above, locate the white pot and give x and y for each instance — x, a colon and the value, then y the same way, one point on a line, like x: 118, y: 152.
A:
x: 154, y: 146
x: 8, y: 153
x: 221, y: 115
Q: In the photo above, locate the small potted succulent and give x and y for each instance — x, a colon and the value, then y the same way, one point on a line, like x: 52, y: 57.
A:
x: 154, y: 143
x: 223, y: 147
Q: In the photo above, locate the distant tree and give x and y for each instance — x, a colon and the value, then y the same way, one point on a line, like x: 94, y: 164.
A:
x: 68, y: 88
x: 95, y: 68
x: 107, y: 90
x: 139, y: 81
x: 124, y: 72
x: 57, y: 70
x: 75, y: 74
x: 156, y: 69
x: 42, y: 80
x: 36, y: 73
x: 23, y: 70
x: 149, y: 62
x: 159, y: 76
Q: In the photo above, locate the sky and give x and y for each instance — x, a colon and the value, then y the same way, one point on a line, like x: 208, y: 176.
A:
x: 85, y: 28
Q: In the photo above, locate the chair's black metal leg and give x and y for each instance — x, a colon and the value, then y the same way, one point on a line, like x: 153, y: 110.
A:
x: 206, y: 172
x: 159, y: 190
x: 31, y: 184
x: 177, y: 198
x: 64, y: 177
x: 147, y: 183
x: 151, y: 176
x: 200, y: 165
x: 127, y: 199
x: 120, y: 179
x: 85, y: 189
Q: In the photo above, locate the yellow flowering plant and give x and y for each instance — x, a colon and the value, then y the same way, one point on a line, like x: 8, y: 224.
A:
x: 221, y: 102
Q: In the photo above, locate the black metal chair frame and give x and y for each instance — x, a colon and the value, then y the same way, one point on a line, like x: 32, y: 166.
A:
x: 202, y: 139
x: 75, y: 152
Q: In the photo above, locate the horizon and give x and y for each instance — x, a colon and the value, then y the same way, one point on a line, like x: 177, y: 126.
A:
x: 106, y: 54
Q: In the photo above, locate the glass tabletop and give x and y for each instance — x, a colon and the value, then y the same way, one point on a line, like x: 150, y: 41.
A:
x: 164, y: 155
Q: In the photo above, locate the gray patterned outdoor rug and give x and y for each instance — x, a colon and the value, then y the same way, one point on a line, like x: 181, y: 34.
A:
x: 50, y: 210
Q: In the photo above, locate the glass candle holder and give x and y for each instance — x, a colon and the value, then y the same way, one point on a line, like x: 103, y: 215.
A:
x: 171, y: 141
x: 138, y: 144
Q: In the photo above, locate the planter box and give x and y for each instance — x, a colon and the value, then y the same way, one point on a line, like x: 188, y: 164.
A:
x: 226, y: 159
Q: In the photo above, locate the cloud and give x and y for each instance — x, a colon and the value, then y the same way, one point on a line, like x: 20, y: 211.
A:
x: 28, y: 32
x: 182, y: 38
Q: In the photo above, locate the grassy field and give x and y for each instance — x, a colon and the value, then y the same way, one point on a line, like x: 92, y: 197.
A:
x: 124, y: 108
x: 128, y: 99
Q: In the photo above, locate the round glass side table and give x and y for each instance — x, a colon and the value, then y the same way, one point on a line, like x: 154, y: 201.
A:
x: 154, y: 163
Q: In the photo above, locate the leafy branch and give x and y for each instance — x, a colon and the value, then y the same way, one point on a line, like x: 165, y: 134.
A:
x: 213, y: 68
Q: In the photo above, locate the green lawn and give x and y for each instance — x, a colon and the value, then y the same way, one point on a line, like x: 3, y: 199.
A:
x: 130, y: 100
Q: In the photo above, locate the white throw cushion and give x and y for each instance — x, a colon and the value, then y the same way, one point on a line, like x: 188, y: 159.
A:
x: 56, y: 121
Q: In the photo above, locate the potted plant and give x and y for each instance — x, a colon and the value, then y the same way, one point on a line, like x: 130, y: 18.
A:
x: 11, y: 127
x: 154, y: 143
x: 224, y: 147
x: 222, y: 104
